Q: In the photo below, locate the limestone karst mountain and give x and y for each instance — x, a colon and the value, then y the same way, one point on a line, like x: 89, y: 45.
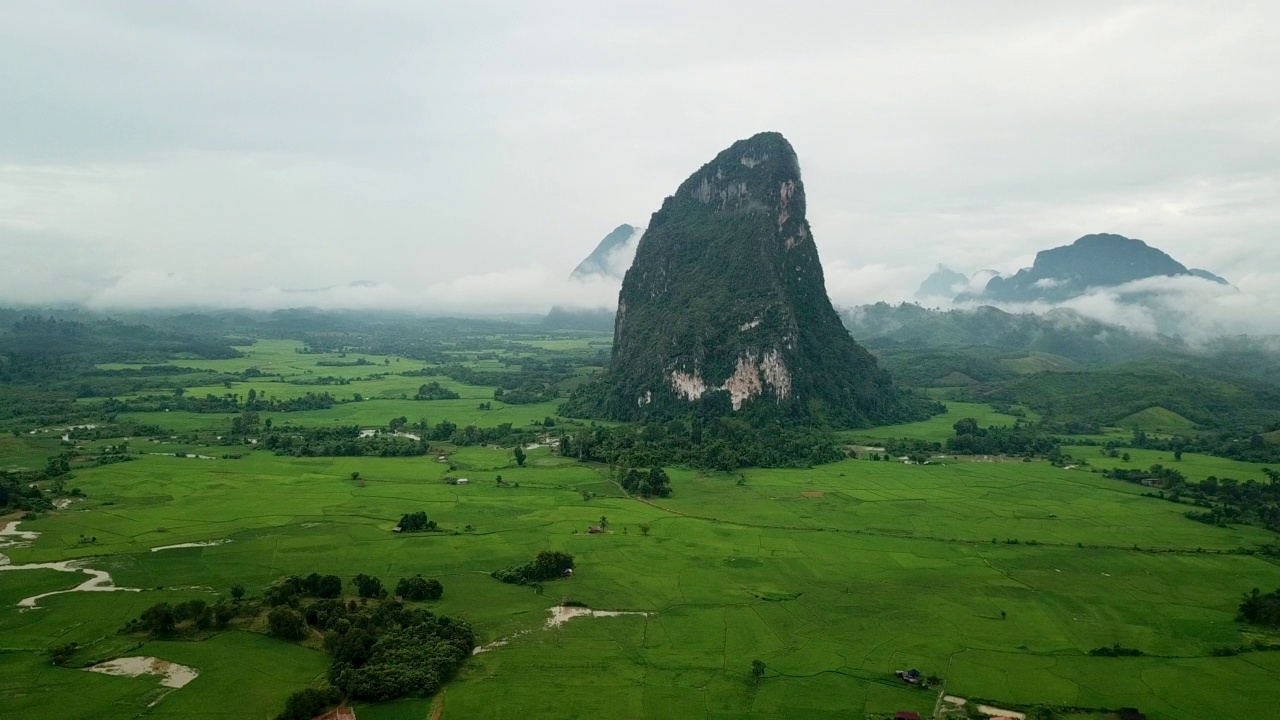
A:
x: 612, y: 256
x: 1093, y: 261
x: 942, y: 283
x: 725, y: 309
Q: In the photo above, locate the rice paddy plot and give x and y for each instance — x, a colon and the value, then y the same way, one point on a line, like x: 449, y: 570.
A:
x: 833, y: 577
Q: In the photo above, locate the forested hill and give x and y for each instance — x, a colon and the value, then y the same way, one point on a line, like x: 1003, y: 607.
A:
x: 1062, y: 333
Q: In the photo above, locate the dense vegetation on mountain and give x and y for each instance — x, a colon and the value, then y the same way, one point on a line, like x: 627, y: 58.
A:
x: 1062, y: 333
x: 725, y: 309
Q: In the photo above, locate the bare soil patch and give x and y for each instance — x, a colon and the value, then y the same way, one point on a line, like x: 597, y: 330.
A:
x: 172, y: 675
x: 812, y: 493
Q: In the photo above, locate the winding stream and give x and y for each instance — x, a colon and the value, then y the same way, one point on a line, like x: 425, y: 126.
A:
x: 99, y: 580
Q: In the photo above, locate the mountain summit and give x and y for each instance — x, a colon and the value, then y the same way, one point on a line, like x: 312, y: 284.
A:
x: 608, y: 259
x: 1093, y: 261
x: 725, y: 310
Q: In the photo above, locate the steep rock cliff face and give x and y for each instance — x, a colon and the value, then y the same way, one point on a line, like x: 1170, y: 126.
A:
x: 725, y: 311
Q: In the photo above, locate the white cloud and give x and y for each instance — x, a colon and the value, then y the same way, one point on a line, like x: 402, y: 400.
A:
x: 1198, y: 310
x: 165, y: 153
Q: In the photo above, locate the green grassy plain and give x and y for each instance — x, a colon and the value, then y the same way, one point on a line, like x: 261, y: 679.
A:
x: 997, y: 576
x: 834, y: 577
x: 938, y: 427
x: 1193, y: 465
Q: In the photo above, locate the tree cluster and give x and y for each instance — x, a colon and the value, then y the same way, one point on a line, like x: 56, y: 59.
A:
x: 380, y: 648
x: 548, y: 565
x: 418, y: 588
x: 534, y: 381
x: 1260, y: 608
x: 435, y: 391
x: 288, y: 590
x: 722, y: 443
x: 416, y: 522
x: 651, y: 483
x: 1223, y: 500
x: 164, y: 620
x: 1019, y: 440
x: 308, y: 703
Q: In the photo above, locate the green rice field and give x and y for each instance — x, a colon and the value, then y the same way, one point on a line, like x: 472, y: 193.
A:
x: 997, y: 577
x: 834, y: 577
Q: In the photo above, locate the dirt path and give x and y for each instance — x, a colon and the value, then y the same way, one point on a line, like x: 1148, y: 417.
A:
x: 437, y: 706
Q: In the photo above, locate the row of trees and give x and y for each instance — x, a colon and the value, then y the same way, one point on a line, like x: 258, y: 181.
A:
x: 340, y: 441
x: 164, y: 620
x: 1019, y: 440
x: 210, y: 403
x: 722, y: 443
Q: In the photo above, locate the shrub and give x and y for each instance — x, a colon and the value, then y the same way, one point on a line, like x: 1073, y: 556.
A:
x: 308, y: 703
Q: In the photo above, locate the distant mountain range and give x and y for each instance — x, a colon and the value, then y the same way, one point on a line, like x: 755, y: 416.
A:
x: 612, y: 256
x: 1094, y: 261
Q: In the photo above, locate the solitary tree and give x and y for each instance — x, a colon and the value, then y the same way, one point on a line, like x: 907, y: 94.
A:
x: 757, y: 670
x: 520, y: 456
x: 355, y: 476
x: 237, y: 592
x: 644, y: 528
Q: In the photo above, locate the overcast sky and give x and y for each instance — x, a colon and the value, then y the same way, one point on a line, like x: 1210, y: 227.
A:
x: 467, y: 155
